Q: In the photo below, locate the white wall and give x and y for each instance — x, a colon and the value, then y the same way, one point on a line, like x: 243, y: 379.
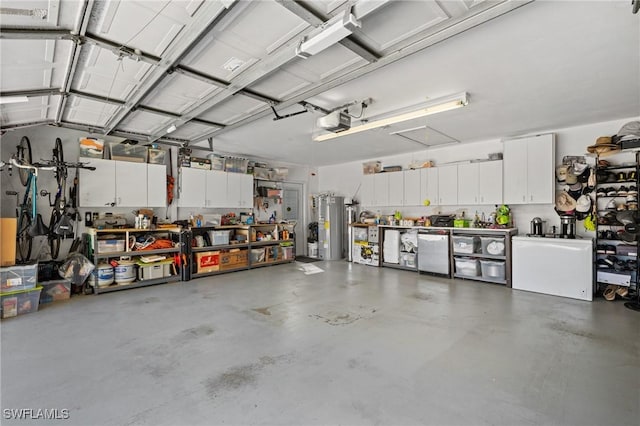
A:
x: 344, y: 179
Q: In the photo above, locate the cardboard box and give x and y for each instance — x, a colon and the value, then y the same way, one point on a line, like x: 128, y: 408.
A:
x: 207, y: 261
x: 234, y: 259
x: 250, y: 233
x: 8, y: 233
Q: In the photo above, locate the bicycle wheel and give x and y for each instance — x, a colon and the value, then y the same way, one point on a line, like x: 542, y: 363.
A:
x: 24, y: 240
x: 24, y: 156
x: 58, y: 158
x: 54, y: 239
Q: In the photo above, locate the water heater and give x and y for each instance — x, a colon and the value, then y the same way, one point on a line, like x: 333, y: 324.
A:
x: 330, y: 227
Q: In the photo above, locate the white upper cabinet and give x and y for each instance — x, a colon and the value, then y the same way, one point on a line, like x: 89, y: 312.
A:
x: 381, y: 189
x: 239, y: 190
x: 412, y: 188
x: 192, y: 184
x: 396, y: 188
x: 97, y: 187
x: 490, y: 182
x: 429, y: 186
x: 367, y: 191
x: 529, y: 170
x: 468, y: 184
x: 131, y: 184
x: 216, y: 189
x: 156, y: 185
x: 448, y: 185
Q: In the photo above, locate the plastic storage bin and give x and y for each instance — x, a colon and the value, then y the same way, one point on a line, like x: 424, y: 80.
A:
x: 466, y: 245
x: 110, y: 246
x: 126, y: 152
x: 408, y: 260
x: 257, y: 255
x: 55, y: 290
x: 467, y: 267
x: 19, y: 277
x: 493, y: 245
x: 91, y: 147
x: 491, y: 269
x: 157, y: 156
x: 152, y: 271
x: 19, y: 302
x: 218, y: 237
x: 287, y: 253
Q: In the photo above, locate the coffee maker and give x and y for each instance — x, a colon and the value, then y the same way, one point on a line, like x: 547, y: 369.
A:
x: 567, y: 226
x: 537, y: 227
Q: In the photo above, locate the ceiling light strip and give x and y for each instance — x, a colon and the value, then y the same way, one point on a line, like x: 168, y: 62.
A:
x: 436, y: 106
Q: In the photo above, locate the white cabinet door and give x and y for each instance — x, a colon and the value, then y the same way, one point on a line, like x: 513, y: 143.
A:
x: 366, y: 191
x: 131, y: 184
x: 468, y: 184
x: 156, y: 185
x: 216, y: 189
x: 97, y: 187
x: 381, y: 189
x: 490, y: 182
x: 396, y: 188
x: 429, y: 186
x: 448, y: 185
x: 541, y: 169
x: 412, y: 188
x: 192, y: 187
x: 246, y: 191
x: 515, y: 171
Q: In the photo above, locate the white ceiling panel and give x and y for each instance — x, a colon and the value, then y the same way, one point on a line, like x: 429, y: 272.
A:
x: 192, y: 131
x: 36, y: 109
x: 177, y: 92
x: 219, y: 59
x: 81, y: 110
x: 399, y: 20
x: 144, y: 122
x: 326, y: 6
x: 423, y: 135
x: 33, y: 64
x: 103, y: 73
x: 39, y: 13
x: 233, y: 109
x: 148, y: 25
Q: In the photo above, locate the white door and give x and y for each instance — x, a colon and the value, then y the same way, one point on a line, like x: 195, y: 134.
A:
x: 291, y: 210
x: 192, y: 187
x: 156, y: 185
x: 97, y: 187
x: 131, y: 184
x: 468, y: 184
x: 448, y: 185
x: 490, y: 182
x: 246, y: 191
x: 396, y: 188
x: 515, y: 171
x: 216, y: 189
x: 366, y: 191
x: 412, y: 188
x: 541, y: 169
x: 429, y: 186
x: 381, y: 189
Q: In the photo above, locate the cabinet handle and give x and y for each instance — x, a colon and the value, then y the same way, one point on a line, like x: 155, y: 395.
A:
x: 524, y: 198
x: 531, y: 197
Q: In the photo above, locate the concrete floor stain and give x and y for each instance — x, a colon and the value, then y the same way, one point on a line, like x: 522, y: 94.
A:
x: 263, y: 311
x: 422, y: 296
x: 239, y: 377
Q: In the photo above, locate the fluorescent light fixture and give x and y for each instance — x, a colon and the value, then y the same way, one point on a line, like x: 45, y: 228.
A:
x: 329, y: 36
x: 13, y: 99
x: 435, y: 106
x: 171, y: 128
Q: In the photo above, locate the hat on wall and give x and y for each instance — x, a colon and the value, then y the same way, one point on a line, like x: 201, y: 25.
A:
x: 561, y: 173
x: 571, y: 178
x: 581, y: 170
x: 564, y: 202
x: 629, y: 131
x: 583, y: 207
x: 603, y: 145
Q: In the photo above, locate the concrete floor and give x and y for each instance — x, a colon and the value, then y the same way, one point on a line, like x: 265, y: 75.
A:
x: 352, y: 345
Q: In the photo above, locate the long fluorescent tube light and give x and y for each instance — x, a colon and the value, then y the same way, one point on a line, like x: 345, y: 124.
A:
x: 13, y: 99
x: 329, y: 36
x: 432, y: 107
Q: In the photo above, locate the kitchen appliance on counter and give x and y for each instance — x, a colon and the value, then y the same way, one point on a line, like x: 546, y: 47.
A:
x: 567, y: 226
x: 537, y: 227
x: 433, y: 252
x: 442, y: 220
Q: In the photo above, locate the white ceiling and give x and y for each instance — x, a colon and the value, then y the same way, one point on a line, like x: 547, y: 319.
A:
x: 216, y: 68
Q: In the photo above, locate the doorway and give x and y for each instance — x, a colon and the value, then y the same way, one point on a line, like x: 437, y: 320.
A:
x: 292, y: 210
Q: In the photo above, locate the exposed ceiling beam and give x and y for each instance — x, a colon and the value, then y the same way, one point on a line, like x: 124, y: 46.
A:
x: 23, y: 125
x: 32, y: 93
x: 35, y: 34
x: 312, y: 18
x: 206, y: 20
x: 454, y: 27
x: 94, y: 97
x: 74, y: 56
